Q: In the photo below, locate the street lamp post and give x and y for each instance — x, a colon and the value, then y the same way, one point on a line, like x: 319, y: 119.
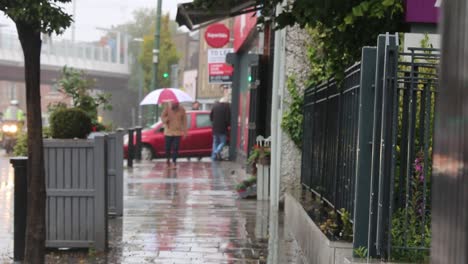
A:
x: 140, y: 80
x: 157, y: 37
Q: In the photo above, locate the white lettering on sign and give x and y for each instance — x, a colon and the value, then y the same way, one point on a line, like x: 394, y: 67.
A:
x: 217, y: 35
x: 218, y: 70
x: 218, y: 55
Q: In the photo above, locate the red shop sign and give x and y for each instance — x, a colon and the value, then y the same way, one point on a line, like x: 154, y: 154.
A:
x: 217, y: 35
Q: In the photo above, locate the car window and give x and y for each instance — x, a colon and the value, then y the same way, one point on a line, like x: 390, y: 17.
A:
x: 189, y: 121
x: 203, y: 120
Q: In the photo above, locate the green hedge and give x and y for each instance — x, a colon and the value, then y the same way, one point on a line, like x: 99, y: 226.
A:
x: 70, y: 123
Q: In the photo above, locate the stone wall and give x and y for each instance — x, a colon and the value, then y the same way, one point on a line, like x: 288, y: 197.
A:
x: 297, y: 65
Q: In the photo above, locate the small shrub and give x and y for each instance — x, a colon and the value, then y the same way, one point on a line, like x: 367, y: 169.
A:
x: 361, y: 252
x: 346, y: 226
x: 46, y: 132
x: 21, y: 146
x: 240, y: 187
x: 70, y: 123
x: 251, y: 180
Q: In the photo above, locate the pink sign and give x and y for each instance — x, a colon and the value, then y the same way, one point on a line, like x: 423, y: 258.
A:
x: 422, y: 11
x: 243, y: 25
x: 217, y: 35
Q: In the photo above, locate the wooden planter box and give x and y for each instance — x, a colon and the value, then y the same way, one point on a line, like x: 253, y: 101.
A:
x: 77, y: 193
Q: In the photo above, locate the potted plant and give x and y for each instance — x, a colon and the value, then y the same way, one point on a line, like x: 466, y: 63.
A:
x: 247, y: 188
x: 241, y: 190
x: 259, y: 159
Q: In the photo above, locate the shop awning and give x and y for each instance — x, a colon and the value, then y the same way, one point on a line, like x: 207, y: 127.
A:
x: 196, y: 17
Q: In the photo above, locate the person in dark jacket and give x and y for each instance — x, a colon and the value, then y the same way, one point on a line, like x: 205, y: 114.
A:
x: 220, y: 117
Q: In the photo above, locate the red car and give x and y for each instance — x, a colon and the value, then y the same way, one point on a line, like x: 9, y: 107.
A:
x: 198, y: 143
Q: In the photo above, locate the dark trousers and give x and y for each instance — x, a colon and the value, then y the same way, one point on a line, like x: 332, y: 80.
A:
x: 172, y: 142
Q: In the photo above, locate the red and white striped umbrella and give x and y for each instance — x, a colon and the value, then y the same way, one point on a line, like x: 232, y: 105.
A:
x: 166, y: 95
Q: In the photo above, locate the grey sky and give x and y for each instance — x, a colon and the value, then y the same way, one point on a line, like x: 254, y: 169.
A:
x: 104, y: 13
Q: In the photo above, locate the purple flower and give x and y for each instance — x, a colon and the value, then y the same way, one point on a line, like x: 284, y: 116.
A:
x: 418, y: 167
x: 421, y: 178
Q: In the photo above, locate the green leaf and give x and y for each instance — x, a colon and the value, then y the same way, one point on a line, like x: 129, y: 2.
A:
x: 365, y: 6
x: 357, y: 11
x: 349, y: 19
x: 388, y: 2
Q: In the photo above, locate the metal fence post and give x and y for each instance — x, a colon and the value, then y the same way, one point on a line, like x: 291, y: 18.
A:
x: 130, y: 149
x: 138, y: 143
x: 364, y: 148
x: 20, y: 206
x: 387, y: 148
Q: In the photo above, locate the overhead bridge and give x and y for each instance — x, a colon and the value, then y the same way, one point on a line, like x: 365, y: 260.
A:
x: 107, y: 64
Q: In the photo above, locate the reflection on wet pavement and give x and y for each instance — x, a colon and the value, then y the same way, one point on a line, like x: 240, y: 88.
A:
x: 188, y: 215
x: 6, y: 209
x: 191, y: 215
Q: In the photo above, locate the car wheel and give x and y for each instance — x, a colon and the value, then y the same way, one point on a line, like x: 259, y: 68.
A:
x: 146, y: 152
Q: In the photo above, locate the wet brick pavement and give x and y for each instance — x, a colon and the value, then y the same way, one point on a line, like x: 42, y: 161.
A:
x: 188, y: 215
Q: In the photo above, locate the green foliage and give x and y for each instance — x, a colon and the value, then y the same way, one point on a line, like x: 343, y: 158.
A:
x: 341, y: 229
x: 21, y: 146
x: 293, y: 116
x: 70, y: 123
x: 411, y: 236
x: 346, y: 225
x: 330, y: 226
x: 240, y: 187
x: 259, y: 154
x: 246, y: 183
x: 341, y: 28
x: 45, y: 16
x: 361, y: 252
x: 74, y: 84
x: 168, y: 55
x: 411, y: 226
x: 251, y: 180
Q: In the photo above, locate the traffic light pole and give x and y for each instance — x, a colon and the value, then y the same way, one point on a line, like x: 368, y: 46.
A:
x: 157, y: 37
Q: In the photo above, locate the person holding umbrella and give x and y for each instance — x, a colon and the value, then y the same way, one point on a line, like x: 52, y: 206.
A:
x: 173, y: 117
x: 175, y: 126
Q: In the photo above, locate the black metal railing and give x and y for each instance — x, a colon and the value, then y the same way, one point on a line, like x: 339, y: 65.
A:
x: 367, y: 147
x: 417, y: 81
x: 329, y: 146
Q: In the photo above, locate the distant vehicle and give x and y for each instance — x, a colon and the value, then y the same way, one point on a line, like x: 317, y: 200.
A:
x: 9, y: 134
x: 198, y: 143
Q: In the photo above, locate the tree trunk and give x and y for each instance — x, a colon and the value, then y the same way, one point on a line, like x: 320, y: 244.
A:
x: 30, y: 38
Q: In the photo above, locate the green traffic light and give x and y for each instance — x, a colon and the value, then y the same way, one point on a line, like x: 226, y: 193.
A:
x: 165, y: 75
x: 250, y: 78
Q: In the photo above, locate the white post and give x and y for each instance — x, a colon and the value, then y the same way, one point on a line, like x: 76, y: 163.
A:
x: 278, y: 77
x: 125, y: 39
x: 117, y: 52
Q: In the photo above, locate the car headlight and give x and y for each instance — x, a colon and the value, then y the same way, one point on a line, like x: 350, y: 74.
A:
x: 13, y: 128
x: 10, y: 128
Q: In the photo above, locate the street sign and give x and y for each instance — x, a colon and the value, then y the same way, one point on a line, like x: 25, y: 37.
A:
x: 217, y: 35
x: 218, y: 70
